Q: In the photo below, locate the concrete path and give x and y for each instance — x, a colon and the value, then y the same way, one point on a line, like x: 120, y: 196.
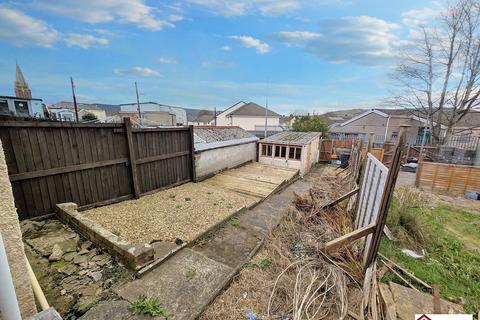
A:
x: 189, y: 281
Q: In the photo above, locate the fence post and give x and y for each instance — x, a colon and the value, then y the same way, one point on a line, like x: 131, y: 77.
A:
x: 370, y: 142
x: 131, y: 157
x: 386, y: 197
x: 192, y: 152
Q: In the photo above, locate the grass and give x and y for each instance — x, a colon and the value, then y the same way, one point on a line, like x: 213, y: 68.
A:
x: 234, y: 222
x: 449, y: 236
x: 148, y: 306
x: 116, y: 232
x: 191, y: 273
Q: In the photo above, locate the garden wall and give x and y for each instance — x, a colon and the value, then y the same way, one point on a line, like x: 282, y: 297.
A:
x: 210, y: 161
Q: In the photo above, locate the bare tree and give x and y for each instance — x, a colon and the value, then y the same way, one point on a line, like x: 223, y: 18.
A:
x: 439, y: 70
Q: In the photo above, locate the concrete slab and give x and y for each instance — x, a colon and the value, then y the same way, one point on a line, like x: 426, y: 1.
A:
x: 113, y: 310
x: 232, y: 245
x: 185, y: 284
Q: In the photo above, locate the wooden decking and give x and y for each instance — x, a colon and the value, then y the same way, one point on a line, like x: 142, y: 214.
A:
x: 253, y: 179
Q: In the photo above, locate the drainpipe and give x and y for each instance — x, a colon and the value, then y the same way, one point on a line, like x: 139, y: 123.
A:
x: 8, y: 298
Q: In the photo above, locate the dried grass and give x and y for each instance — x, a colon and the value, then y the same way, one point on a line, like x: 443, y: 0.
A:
x: 300, y: 282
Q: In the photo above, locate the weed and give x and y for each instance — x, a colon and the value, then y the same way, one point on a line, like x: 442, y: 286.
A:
x: 58, y: 265
x: 248, y: 265
x: 191, y: 273
x: 234, y: 222
x: 229, y: 206
x: 265, y: 264
x: 171, y: 196
x: 209, y: 192
x: 149, y: 306
x: 116, y: 232
x: 178, y: 206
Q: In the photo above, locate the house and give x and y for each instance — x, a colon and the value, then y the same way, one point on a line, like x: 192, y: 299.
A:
x: 202, y: 118
x: 221, y: 148
x: 65, y: 111
x: 298, y: 150
x: 385, y: 125
x: 251, y: 117
x: 21, y: 107
x: 155, y: 113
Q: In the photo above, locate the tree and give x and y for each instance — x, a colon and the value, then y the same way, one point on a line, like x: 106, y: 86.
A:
x: 310, y: 123
x: 89, y: 117
x: 438, y: 75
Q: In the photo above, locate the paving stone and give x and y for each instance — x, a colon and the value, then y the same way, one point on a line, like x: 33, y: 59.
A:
x: 44, y: 243
x: 70, y: 256
x: 97, y: 275
x: 57, y: 253
x: 183, y: 298
x: 162, y: 248
x: 231, y: 245
x: 112, y: 310
x: 80, y: 259
x: 68, y: 269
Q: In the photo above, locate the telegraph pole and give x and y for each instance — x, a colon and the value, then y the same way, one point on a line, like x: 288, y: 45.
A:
x: 266, y: 116
x: 138, y: 104
x: 215, y: 115
x: 74, y: 100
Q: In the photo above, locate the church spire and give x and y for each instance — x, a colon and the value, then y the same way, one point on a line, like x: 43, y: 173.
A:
x: 21, y: 86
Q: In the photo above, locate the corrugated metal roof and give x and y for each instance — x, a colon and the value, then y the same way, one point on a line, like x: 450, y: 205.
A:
x: 292, y: 137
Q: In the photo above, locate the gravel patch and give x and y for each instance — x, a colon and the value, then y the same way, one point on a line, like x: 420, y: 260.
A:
x: 183, y: 212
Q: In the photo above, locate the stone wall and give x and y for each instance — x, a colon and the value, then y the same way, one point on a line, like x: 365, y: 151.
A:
x: 211, y: 161
x: 12, y: 237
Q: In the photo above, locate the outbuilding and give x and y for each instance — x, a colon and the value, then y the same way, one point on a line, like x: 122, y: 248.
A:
x: 298, y: 150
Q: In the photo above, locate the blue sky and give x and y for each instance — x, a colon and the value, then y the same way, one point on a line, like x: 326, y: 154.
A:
x: 315, y: 55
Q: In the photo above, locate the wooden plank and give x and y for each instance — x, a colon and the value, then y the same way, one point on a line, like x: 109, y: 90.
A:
x: 193, y: 174
x: 55, y: 124
x: 341, y: 198
x: 131, y: 157
x: 349, y: 237
x: 66, y: 169
x: 170, y: 129
x: 36, y: 197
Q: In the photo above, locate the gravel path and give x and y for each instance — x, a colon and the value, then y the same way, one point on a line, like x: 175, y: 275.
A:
x: 182, y: 212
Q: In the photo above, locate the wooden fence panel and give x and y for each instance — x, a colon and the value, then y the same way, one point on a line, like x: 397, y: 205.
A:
x: 90, y: 164
x: 448, y: 177
x: 372, y: 187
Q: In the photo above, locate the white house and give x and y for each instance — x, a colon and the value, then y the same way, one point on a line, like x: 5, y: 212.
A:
x: 249, y: 116
x: 21, y: 107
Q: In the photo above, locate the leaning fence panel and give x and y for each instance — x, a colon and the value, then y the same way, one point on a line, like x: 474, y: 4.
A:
x: 371, y: 191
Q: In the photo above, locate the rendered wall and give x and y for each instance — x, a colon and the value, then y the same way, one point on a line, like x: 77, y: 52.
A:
x: 12, y: 237
x: 211, y: 161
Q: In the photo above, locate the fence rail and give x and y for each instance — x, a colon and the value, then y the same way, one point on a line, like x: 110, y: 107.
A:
x: 91, y: 164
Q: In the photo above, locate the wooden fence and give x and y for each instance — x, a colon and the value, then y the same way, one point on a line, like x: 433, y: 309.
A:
x: 327, y: 147
x: 448, y: 177
x: 371, y: 192
x: 91, y: 164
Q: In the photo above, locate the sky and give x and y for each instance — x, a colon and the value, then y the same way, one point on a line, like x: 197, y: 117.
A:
x: 304, y: 55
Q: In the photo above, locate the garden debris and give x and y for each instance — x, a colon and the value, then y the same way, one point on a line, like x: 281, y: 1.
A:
x: 413, y: 254
x: 404, y: 271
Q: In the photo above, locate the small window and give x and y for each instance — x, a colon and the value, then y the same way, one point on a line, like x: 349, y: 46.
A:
x: 269, y: 151
x: 264, y: 150
x: 21, y: 108
x: 277, y: 151
x: 298, y: 153
x: 283, y: 152
x: 291, y: 153
x: 4, y: 107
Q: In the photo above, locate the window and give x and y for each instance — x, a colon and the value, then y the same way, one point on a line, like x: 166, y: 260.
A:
x: 4, y: 107
x: 283, y: 152
x: 264, y: 150
x: 295, y: 153
x: 21, y: 108
x: 298, y: 153
x: 277, y: 151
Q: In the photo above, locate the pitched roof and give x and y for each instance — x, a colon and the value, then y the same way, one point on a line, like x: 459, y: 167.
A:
x: 204, y: 118
x: 252, y: 109
x: 292, y: 137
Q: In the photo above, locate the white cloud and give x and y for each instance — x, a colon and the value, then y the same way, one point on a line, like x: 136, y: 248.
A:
x: 164, y: 60
x: 232, y: 8
x: 419, y: 17
x: 250, y: 42
x: 175, y: 18
x: 227, y: 48
x: 84, y: 41
x: 100, y: 11
x: 361, y: 39
x: 104, y: 32
x: 21, y: 29
x: 139, y: 71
